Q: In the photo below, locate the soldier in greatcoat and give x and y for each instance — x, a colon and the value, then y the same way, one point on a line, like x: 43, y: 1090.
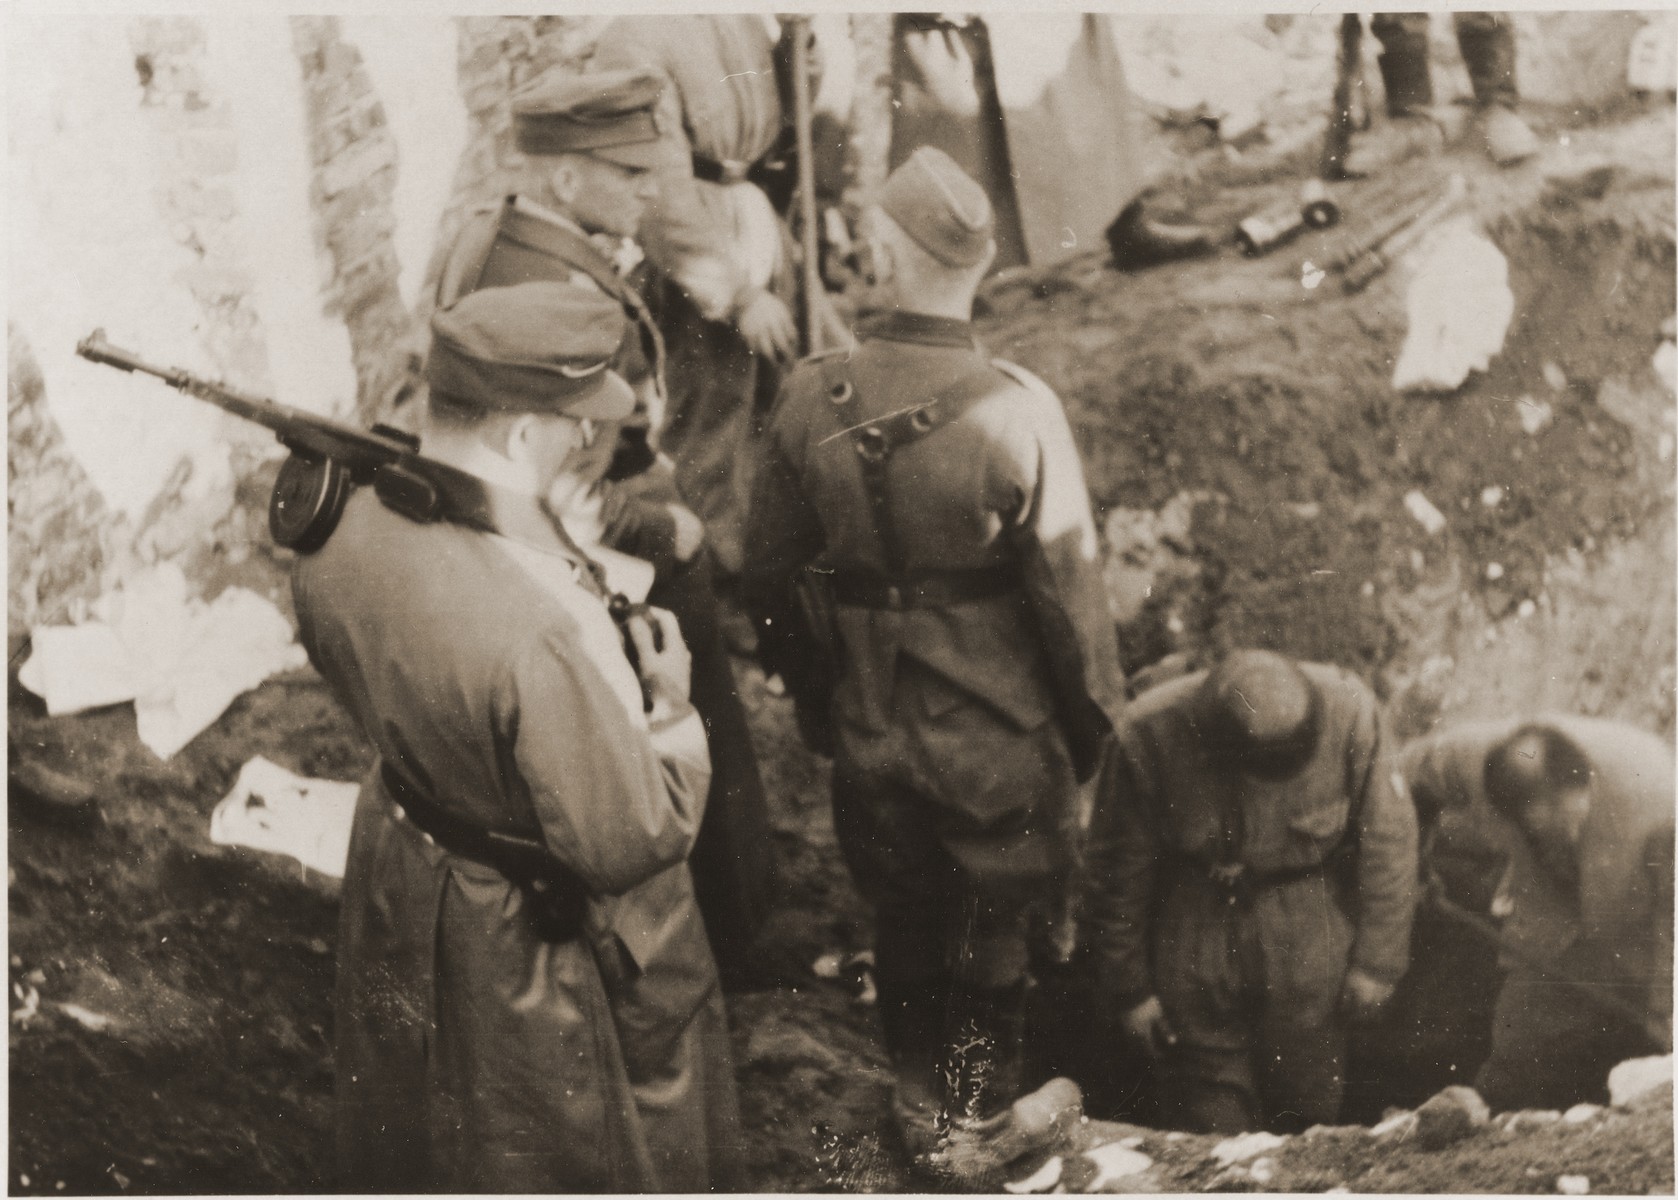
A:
x: 526, y: 1001
x: 936, y: 497
x: 592, y: 145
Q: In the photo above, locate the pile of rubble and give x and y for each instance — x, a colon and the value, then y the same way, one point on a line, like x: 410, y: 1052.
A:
x: 1450, y: 1143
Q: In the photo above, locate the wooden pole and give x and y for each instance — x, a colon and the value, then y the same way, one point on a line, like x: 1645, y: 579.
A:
x: 801, y: 117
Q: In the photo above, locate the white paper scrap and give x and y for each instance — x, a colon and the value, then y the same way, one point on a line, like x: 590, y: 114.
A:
x: 279, y: 812
x: 181, y: 661
x: 1459, y: 305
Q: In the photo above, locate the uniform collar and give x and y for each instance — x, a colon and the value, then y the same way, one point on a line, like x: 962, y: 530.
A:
x: 902, y: 325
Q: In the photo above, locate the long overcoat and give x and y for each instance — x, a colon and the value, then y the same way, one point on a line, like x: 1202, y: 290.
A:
x: 473, y: 1056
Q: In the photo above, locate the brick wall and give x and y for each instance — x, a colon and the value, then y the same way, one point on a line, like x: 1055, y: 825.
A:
x: 54, y: 516
x: 354, y: 165
x: 499, y: 55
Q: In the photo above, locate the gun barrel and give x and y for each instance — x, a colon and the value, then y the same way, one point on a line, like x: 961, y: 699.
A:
x: 306, y: 433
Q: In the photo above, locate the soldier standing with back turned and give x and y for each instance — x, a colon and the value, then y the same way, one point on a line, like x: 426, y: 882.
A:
x: 939, y: 495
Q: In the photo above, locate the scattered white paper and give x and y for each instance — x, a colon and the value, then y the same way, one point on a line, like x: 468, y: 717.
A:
x: 279, y: 812
x: 1573, y: 1185
x: 1114, y: 1162
x: 1247, y: 1145
x: 1459, y: 306
x: 1535, y: 414
x: 77, y: 667
x: 1427, y: 516
x: 181, y: 661
x: 1040, y: 1180
x: 1665, y: 364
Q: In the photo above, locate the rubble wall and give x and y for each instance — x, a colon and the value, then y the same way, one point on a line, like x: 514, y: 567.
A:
x: 256, y: 199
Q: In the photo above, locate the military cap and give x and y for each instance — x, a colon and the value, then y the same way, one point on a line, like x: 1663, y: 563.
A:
x: 938, y: 205
x: 611, y: 115
x: 1261, y: 711
x: 533, y: 347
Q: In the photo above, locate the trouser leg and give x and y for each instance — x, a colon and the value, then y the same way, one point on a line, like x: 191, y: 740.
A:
x: 1487, y: 41
x: 1553, y: 1047
x: 1301, y: 1070
x: 733, y: 860
x: 1404, y: 61
x: 1207, y: 1091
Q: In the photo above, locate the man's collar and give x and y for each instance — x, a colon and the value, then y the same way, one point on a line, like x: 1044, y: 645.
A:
x: 924, y: 329
x: 525, y: 204
x: 623, y: 253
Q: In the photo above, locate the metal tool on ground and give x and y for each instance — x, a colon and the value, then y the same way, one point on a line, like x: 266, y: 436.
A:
x: 1369, y: 234
x: 1264, y: 231
x: 1358, y: 273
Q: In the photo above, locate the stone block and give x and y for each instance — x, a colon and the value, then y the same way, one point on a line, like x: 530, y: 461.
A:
x: 356, y: 164
x: 1450, y: 1116
x: 1637, y: 1077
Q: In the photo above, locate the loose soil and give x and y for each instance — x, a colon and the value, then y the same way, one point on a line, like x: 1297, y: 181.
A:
x: 181, y: 1039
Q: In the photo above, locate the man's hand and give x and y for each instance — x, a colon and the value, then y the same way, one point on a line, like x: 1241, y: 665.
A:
x: 1363, y: 997
x: 690, y: 531
x: 666, y: 665
x: 767, y: 325
x: 1146, y: 1024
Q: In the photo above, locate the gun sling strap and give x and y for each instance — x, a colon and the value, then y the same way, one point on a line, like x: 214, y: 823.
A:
x: 875, y: 442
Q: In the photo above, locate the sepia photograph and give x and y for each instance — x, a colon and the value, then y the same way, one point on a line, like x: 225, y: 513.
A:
x: 1020, y: 601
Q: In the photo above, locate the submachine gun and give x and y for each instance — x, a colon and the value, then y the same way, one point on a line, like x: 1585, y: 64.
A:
x: 330, y: 459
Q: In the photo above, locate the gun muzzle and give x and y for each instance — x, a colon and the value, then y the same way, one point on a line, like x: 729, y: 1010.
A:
x: 95, y: 348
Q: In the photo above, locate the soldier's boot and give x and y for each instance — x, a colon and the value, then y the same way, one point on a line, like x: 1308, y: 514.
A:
x: 912, y: 1021
x: 994, y: 1125
x: 1509, y: 139
x: 1411, y: 128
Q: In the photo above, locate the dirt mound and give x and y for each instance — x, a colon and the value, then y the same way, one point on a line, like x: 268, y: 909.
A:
x: 1230, y: 379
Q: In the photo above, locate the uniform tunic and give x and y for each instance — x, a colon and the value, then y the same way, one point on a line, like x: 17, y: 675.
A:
x: 472, y: 1055
x: 953, y: 780
x: 715, y: 243
x: 1550, y: 1045
x: 1251, y: 987
x: 733, y: 863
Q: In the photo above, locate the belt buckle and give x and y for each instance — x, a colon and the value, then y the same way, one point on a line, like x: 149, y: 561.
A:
x: 1231, y: 880
x: 894, y: 597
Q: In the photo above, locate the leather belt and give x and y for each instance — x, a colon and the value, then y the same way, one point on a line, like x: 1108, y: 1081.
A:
x: 556, y: 897
x: 924, y: 589
x: 1237, y: 884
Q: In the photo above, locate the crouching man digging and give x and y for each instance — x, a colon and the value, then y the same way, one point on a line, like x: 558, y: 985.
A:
x: 1252, y: 883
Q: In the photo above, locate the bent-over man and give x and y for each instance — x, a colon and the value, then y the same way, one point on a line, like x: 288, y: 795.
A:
x: 1580, y: 811
x: 1252, y: 873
